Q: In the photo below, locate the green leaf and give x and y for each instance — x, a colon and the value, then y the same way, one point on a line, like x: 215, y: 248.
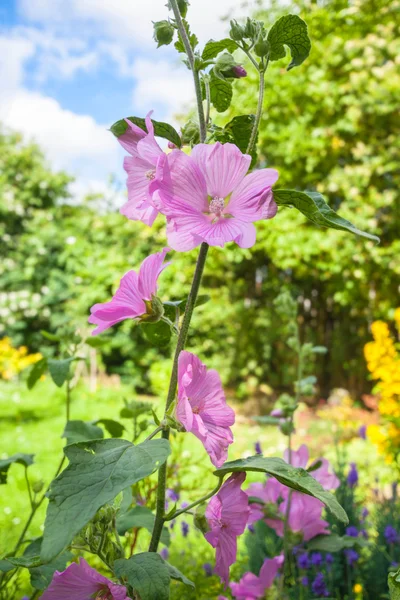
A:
x: 50, y: 336
x: 42, y: 575
x: 161, y: 129
x: 98, y: 471
x: 240, y: 128
x: 220, y: 93
x: 114, y: 428
x: 319, y: 349
x: 193, y: 40
x: 289, y: 31
x: 140, y: 516
x: 22, y: 459
x: 159, y: 334
x: 95, y: 342
x: 81, y: 431
x: 331, y: 543
x: 59, y: 369
x: 25, y: 561
x: 174, y: 573
x: 314, y: 207
x: 134, y: 409
x: 38, y: 369
x: 267, y: 420
x: 147, y: 573
x: 6, y: 566
x: 394, y: 585
x: 293, y: 477
x: 213, y: 48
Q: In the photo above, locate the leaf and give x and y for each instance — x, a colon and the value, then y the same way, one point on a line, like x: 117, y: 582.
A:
x: 42, y: 575
x: 319, y: 349
x: 114, y: 428
x: 25, y: 561
x: 267, y: 420
x: 163, y: 130
x: 181, y: 304
x: 240, y: 128
x: 193, y: 40
x: 213, y: 48
x: 81, y: 431
x: 174, y: 573
x: 50, y: 336
x: 95, y: 342
x: 394, y: 585
x: 59, y: 369
x: 220, y: 93
x: 97, y: 472
x: 147, y: 573
x: 159, y: 334
x: 296, y: 478
x: 38, y: 369
x: 331, y: 543
x: 6, y: 566
x: 289, y: 31
x: 22, y: 459
x: 140, y: 516
x: 314, y: 207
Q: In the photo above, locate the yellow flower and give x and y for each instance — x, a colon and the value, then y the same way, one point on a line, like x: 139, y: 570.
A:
x: 358, y: 588
x: 14, y: 360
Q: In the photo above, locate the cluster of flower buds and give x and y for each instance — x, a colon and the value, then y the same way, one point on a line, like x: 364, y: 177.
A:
x: 252, y: 34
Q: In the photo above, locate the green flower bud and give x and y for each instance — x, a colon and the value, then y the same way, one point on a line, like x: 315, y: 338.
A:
x: 163, y: 33
x: 199, y: 519
x: 286, y: 427
x: 237, y: 31
x: 226, y: 67
x: 251, y: 28
x: 261, y: 47
x: 154, y: 310
x: 38, y: 486
x: 182, y: 5
x: 190, y: 133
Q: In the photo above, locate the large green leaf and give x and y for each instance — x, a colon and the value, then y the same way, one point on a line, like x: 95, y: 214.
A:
x: 175, y: 573
x: 81, y: 431
x: 21, y: 459
x: 161, y: 129
x: 293, y: 477
x: 213, y: 48
x: 314, y: 207
x: 394, y: 585
x: 38, y: 369
x: 140, y: 516
x: 114, y: 428
x: 59, y: 369
x: 147, y: 573
x: 220, y: 93
x: 331, y: 543
x: 97, y: 472
x: 159, y: 334
x: 42, y: 575
x: 289, y: 31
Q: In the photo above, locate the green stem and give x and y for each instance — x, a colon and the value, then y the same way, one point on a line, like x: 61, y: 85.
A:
x: 162, y: 473
x: 28, y: 485
x: 154, y: 433
x: 208, y: 99
x: 253, y: 137
x: 68, y: 400
x: 197, y: 502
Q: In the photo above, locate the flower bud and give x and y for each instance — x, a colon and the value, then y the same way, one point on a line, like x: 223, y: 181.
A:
x: 190, y: 133
x: 182, y: 5
x: 286, y: 427
x: 239, y: 71
x: 163, y: 33
x: 226, y: 67
x: 261, y: 47
x: 200, y: 520
x: 154, y: 310
x: 237, y: 31
x: 37, y: 486
x: 250, y: 29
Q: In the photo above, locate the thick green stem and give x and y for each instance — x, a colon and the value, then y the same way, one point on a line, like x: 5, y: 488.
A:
x: 253, y: 137
x: 162, y: 473
x: 197, y: 502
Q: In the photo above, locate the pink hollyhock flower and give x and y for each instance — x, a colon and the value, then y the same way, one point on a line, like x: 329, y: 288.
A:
x: 304, y: 517
x: 269, y: 492
x: 326, y: 478
x: 202, y: 408
x: 141, y: 168
x: 227, y: 515
x: 135, y: 297
x: 251, y: 587
x: 207, y: 197
x: 81, y: 582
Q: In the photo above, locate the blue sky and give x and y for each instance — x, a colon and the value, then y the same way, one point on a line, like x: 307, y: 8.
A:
x: 70, y: 68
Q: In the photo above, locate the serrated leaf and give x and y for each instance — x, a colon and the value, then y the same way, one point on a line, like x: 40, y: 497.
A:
x: 175, y: 573
x: 213, y: 48
x: 38, y: 369
x: 114, y: 428
x: 81, y: 431
x: 295, y: 478
x: 315, y: 208
x: 98, y: 471
x: 240, y: 128
x: 163, y: 130
x: 59, y: 369
x: 147, y: 573
x: 193, y: 40
x: 140, y: 516
x: 220, y: 93
x: 22, y: 459
x: 289, y: 31
x: 159, y: 334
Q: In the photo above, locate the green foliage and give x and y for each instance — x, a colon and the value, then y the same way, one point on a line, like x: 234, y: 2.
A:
x: 163, y: 130
x: 97, y: 472
x: 163, y: 33
x: 289, y: 31
x: 79, y: 431
x: 213, y: 48
x: 220, y: 93
x: 42, y: 575
x: 59, y: 370
x: 22, y: 459
x: 140, y: 516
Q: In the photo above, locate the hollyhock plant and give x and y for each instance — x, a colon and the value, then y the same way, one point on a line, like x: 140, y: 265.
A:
x: 135, y: 298
x: 201, y: 407
x: 323, y: 475
x: 227, y: 514
x: 140, y: 167
x: 251, y: 587
x: 81, y: 582
x: 269, y: 492
x: 207, y: 197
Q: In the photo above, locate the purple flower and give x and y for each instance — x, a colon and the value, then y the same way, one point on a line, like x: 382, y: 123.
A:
x: 391, y: 535
x: 251, y: 528
x: 316, y: 559
x: 324, y: 474
x: 184, y: 504
x: 185, y: 528
x: 352, y: 531
x: 352, y: 477
x: 351, y: 556
x: 208, y: 570
x: 303, y: 561
x: 364, y: 533
x: 362, y: 432
x: 164, y: 553
x: 329, y: 559
x: 83, y: 582
x: 365, y: 513
x: 304, y: 581
x: 257, y: 448
x: 172, y: 524
x: 278, y: 413
x: 319, y: 586
x: 239, y: 71
x: 172, y: 495
x: 251, y: 587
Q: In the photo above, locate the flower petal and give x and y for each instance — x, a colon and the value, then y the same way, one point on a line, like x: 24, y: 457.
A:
x: 147, y: 147
x: 223, y: 166
x: 252, y: 199
x: 149, y: 272
x: 188, y: 182
x: 129, y: 139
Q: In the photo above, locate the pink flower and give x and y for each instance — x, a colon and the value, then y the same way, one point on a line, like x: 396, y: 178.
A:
x: 251, y: 587
x: 135, y: 297
x: 81, y: 582
x: 140, y: 167
x: 300, y: 458
x: 269, y: 492
x: 207, y: 197
x: 202, y: 408
x: 227, y: 515
x: 304, y: 517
